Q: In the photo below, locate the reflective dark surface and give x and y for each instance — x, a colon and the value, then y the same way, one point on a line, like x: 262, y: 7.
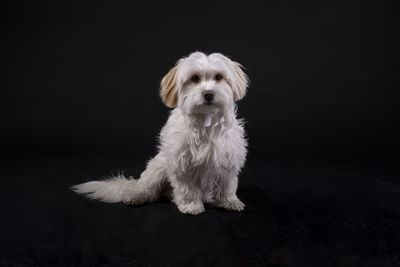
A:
x: 298, y: 213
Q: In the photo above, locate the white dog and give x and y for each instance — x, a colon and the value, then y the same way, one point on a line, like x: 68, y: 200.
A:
x: 202, y: 146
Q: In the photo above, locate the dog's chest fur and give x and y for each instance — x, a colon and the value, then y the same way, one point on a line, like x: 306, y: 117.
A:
x: 203, y: 148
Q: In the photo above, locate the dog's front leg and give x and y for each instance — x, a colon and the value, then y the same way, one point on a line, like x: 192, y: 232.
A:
x: 226, y: 197
x: 187, y: 198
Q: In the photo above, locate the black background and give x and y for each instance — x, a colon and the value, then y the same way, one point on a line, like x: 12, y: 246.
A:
x: 85, y: 77
x: 79, y: 98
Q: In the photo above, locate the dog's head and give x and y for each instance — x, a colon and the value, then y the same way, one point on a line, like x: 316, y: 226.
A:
x: 204, y: 84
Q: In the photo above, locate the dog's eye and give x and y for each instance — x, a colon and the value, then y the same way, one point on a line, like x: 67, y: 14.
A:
x: 195, y: 78
x: 218, y: 77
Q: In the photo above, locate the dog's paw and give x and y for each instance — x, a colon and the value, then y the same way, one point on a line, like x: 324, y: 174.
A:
x: 132, y: 198
x: 232, y: 204
x: 127, y: 199
x: 192, y: 208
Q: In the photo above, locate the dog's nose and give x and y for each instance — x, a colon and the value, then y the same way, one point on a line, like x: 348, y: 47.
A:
x: 208, y: 95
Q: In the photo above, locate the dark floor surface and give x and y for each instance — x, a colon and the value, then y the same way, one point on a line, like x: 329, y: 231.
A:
x: 298, y: 213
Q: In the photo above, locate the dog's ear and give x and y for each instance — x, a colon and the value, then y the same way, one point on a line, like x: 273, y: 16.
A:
x: 169, y: 90
x: 240, y: 81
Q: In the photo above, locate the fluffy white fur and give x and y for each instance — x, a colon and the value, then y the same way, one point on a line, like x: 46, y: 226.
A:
x: 202, y: 146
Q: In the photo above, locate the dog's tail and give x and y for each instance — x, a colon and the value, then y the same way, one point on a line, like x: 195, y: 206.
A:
x: 151, y: 185
x: 107, y: 191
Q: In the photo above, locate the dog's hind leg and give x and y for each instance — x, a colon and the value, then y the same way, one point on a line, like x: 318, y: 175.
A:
x: 150, y: 186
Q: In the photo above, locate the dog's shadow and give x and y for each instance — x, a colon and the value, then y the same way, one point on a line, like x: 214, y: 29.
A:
x: 165, y: 202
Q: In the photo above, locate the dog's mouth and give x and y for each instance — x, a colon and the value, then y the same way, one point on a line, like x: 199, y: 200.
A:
x: 210, y: 102
x: 207, y: 107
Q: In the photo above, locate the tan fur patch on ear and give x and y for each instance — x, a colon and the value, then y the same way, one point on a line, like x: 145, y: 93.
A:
x: 240, y: 82
x: 169, y: 90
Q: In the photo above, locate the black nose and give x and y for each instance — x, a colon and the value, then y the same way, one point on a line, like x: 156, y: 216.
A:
x: 208, y: 96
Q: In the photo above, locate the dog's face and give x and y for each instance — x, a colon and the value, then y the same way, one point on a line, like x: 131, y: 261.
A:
x: 201, y: 84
